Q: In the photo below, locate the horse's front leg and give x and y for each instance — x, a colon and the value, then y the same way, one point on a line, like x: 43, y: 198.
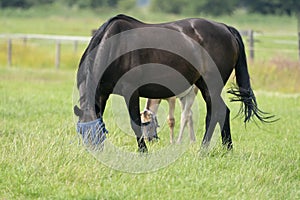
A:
x: 133, y: 106
x: 100, y: 105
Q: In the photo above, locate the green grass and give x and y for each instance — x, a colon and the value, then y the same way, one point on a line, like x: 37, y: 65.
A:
x: 40, y: 156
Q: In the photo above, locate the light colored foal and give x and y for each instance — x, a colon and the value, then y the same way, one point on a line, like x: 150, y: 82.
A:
x: 186, y: 101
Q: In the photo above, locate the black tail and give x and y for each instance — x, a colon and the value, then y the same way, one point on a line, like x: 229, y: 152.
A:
x: 243, y: 92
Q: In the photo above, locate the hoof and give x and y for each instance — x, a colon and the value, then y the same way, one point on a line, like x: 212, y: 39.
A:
x: 143, y: 150
x: 229, y: 146
x: 192, y: 141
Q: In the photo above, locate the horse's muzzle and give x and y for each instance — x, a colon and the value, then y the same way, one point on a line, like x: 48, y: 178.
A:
x: 93, y: 133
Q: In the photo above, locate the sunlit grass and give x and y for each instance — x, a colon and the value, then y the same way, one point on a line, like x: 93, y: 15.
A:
x: 277, y: 75
x: 41, y: 156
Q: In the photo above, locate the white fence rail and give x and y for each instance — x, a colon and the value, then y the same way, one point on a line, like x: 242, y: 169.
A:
x: 58, y: 39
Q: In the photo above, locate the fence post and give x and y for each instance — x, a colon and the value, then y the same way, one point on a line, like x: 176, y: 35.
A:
x: 251, y: 44
x: 9, y: 52
x: 25, y: 41
x: 298, y: 20
x: 75, y: 46
x: 299, y: 45
x: 57, y: 56
x: 93, y: 32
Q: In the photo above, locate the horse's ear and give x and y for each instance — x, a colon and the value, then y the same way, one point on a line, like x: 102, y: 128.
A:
x: 78, y: 112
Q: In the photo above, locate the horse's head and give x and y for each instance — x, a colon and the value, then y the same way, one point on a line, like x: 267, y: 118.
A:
x: 149, y: 125
x: 85, y: 115
x: 91, y: 129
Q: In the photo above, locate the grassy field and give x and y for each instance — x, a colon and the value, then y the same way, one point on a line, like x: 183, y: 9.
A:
x: 41, y: 156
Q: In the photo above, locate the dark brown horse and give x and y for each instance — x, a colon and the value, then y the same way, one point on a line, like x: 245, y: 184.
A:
x: 134, y: 59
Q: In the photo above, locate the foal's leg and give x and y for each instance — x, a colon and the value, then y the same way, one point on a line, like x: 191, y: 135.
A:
x: 171, y: 119
x: 152, y: 105
x: 190, y: 98
x: 183, y: 119
x: 133, y: 106
x: 187, y: 115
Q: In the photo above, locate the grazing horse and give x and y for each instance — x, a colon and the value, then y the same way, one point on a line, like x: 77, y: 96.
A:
x: 134, y: 59
x: 186, y: 101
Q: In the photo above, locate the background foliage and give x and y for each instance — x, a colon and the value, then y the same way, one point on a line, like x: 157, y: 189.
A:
x: 213, y: 7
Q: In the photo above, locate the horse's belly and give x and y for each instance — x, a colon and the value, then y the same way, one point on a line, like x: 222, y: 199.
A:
x: 155, y: 91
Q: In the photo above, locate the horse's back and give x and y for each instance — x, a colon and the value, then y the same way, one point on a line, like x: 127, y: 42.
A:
x: 211, y: 35
x: 215, y: 38
x: 123, y: 22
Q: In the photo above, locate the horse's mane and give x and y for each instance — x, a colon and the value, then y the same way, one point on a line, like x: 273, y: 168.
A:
x: 95, y: 41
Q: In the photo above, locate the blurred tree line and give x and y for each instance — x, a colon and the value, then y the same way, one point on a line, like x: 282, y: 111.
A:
x: 80, y: 3
x: 220, y: 7
x: 23, y: 3
x: 190, y: 7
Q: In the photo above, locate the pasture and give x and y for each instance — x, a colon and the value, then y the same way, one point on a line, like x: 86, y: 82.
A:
x: 41, y: 156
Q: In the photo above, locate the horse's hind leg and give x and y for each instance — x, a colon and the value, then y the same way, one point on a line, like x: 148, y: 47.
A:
x: 225, y: 129
x: 219, y: 114
x: 133, y: 106
x: 210, y: 121
x: 171, y: 119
